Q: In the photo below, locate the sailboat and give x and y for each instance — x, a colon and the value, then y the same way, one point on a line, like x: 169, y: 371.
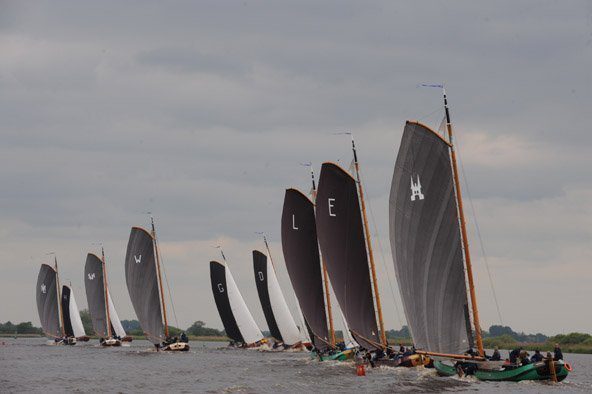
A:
x: 144, y: 284
x: 307, y: 274
x: 430, y: 252
x: 53, y: 307
x: 73, y: 328
x: 102, y: 312
x: 238, y: 322
x: 345, y: 242
x: 279, y: 320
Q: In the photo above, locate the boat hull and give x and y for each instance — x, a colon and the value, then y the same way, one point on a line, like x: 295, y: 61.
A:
x: 176, y: 347
x: 339, y: 356
x: 111, y: 342
x: 535, y: 371
x: 415, y: 360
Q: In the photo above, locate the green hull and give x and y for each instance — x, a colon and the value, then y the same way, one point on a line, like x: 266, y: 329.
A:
x: 538, y: 371
x: 341, y: 356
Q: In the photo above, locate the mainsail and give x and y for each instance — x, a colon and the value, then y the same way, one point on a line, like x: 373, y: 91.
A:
x: 142, y: 283
x: 236, y: 317
x: 72, y: 322
x: 279, y: 319
x: 301, y: 254
x: 95, y: 294
x: 426, y: 242
x: 341, y: 238
x: 47, y: 301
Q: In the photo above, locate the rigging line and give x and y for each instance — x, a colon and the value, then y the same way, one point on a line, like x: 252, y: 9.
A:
x: 478, y: 229
x: 384, y: 267
x: 168, y: 288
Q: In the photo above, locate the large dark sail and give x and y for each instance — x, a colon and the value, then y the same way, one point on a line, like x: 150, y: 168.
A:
x: 426, y: 244
x: 142, y: 283
x: 341, y: 237
x: 301, y: 254
x: 47, y: 301
x: 221, y: 297
x: 68, y: 330
x: 261, y: 280
x: 95, y: 294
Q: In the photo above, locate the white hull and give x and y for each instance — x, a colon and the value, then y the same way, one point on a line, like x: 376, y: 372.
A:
x: 177, y: 347
x: 111, y: 342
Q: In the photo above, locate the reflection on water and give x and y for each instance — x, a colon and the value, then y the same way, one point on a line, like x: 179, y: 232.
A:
x: 31, y: 365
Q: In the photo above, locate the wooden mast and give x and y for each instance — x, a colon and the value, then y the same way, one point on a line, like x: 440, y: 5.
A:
x: 325, y: 275
x: 369, y: 245
x: 59, y: 295
x: 166, y: 324
x: 106, y: 293
x: 463, y: 228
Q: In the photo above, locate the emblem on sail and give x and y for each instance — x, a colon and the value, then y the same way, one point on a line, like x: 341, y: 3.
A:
x: 43, y: 288
x: 91, y: 276
x: 220, y: 288
x: 138, y: 259
x: 416, y: 189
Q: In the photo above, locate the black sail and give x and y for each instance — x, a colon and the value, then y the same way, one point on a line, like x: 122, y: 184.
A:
x: 219, y: 289
x: 142, y: 283
x: 301, y: 254
x: 47, y: 301
x: 95, y: 294
x: 341, y: 237
x: 68, y: 330
x: 426, y: 243
x: 261, y: 280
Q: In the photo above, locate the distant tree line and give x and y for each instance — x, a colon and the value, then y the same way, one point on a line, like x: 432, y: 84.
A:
x: 21, y: 328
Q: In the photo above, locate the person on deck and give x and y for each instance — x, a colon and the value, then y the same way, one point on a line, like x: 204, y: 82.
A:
x: 524, y: 360
x: 496, y: 356
x: 514, y: 354
x: 402, y: 348
x: 557, y: 354
x: 184, y: 337
x: 537, y: 356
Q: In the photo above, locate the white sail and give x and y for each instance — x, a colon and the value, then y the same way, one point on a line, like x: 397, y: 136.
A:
x: 119, y: 331
x: 304, y: 337
x: 244, y: 320
x: 283, y: 317
x: 75, y: 319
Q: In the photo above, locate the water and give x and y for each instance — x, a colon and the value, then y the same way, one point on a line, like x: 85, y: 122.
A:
x: 29, y: 365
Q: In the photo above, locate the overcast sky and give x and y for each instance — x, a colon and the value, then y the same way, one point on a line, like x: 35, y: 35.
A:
x: 202, y: 111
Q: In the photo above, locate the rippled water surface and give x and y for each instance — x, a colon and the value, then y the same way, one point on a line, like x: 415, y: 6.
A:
x: 29, y: 365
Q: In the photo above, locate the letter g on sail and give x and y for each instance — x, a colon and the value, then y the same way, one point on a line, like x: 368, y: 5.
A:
x: 138, y: 259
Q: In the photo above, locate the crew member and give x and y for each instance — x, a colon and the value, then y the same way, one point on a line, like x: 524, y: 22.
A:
x: 557, y: 354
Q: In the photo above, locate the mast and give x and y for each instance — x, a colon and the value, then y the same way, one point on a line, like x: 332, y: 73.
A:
x: 324, y: 268
x: 166, y: 324
x: 59, y: 295
x: 463, y: 228
x: 369, y: 244
x: 106, y: 293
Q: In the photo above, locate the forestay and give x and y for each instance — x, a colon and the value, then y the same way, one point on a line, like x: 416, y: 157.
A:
x: 426, y: 244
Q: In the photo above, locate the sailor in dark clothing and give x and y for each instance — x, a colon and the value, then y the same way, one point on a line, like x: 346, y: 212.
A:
x: 184, y: 337
x: 496, y: 356
x: 402, y: 348
x: 557, y: 354
x: 514, y: 354
x: 524, y: 360
x: 537, y: 356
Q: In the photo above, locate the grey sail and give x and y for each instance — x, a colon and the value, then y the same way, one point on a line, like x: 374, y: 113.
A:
x: 95, y: 294
x: 341, y: 238
x: 301, y: 253
x: 47, y: 301
x: 142, y: 283
x: 426, y: 243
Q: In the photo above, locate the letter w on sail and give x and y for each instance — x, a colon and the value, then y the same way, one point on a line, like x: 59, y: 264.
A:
x: 138, y: 259
x: 91, y: 276
x: 416, y: 189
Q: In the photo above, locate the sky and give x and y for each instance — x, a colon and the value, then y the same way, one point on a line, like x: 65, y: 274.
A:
x: 201, y: 113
